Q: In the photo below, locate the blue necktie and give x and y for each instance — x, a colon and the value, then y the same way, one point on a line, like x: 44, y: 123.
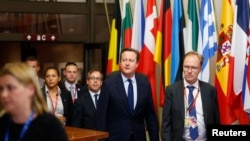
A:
x: 96, y: 100
x: 72, y: 93
x: 192, y: 113
x: 130, y: 95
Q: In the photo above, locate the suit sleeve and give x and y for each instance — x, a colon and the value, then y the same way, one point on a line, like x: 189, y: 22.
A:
x: 151, y: 117
x: 216, y: 107
x: 69, y: 111
x: 77, y: 113
x: 102, y: 108
x: 166, y: 117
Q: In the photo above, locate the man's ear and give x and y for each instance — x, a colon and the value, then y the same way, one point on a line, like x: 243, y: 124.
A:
x: 64, y: 72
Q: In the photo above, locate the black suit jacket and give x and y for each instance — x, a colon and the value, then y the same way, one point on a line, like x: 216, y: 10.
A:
x: 67, y: 105
x: 113, y: 112
x: 80, y: 89
x: 84, y: 115
x: 174, y: 111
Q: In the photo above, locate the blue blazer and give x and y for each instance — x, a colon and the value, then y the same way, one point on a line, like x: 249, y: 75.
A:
x: 115, y: 117
x: 174, y: 110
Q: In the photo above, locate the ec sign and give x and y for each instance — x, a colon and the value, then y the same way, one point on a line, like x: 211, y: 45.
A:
x: 40, y: 37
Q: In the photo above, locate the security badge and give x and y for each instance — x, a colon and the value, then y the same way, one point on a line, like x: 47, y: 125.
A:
x: 190, y: 122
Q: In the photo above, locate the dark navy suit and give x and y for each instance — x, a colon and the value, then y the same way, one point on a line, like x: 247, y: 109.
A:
x: 172, y: 129
x: 114, y: 115
x: 80, y: 89
x: 84, y: 112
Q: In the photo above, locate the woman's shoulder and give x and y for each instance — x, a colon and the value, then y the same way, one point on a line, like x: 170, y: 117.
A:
x: 46, y: 118
x: 4, y: 120
x: 48, y: 126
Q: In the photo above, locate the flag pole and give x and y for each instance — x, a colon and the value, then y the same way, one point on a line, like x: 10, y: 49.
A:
x: 107, y: 14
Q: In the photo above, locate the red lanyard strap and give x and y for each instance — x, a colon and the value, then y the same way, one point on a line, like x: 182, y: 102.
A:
x: 192, y: 103
x: 54, y: 107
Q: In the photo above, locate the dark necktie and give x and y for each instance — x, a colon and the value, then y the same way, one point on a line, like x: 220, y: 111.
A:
x: 96, y: 100
x: 130, y: 95
x: 192, y: 114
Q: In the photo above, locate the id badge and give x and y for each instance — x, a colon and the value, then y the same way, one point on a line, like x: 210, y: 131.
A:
x: 187, y: 122
x: 193, y: 122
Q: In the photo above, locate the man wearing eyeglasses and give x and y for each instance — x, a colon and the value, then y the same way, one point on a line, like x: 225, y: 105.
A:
x: 86, y: 107
x: 190, y: 105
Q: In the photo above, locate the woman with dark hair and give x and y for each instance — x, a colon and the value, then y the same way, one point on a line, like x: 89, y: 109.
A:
x: 59, y: 101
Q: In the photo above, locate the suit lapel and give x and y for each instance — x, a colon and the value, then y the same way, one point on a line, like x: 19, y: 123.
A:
x: 89, y: 100
x: 140, y: 89
x: 203, y: 93
x: 180, y: 96
x: 122, y: 92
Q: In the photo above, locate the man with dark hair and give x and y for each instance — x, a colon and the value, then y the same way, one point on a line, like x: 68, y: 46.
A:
x: 35, y: 64
x: 85, y: 108
x: 125, y: 107
x: 70, y: 81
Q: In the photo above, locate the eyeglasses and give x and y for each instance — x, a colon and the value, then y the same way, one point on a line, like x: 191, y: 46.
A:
x: 95, y: 78
x: 192, y: 68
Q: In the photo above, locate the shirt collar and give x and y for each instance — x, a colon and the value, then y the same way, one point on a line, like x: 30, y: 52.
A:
x: 68, y: 85
x: 47, y: 90
x: 93, y: 93
x: 196, y: 84
x: 125, y: 79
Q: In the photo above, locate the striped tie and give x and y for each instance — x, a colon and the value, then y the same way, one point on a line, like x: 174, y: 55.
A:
x: 192, y: 114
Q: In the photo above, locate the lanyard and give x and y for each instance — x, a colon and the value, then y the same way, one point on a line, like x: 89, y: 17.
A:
x: 54, y: 107
x: 24, y: 129
x: 191, y: 105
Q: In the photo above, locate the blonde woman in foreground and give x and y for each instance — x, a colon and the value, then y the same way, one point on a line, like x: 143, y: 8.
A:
x: 24, y: 114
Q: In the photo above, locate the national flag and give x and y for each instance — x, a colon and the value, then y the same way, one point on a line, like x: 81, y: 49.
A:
x: 238, y: 57
x: 146, y: 62
x: 227, y: 115
x: 208, y: 37
x: 138, y: 26
x: 163, y: 46
x: 246, y: 79
x: 192, y: 27
x: 177, y: 42
x: 114, y: 43
x: 126, y: 31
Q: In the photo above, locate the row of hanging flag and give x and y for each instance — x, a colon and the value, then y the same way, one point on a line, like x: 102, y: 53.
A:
x: 164, y: 37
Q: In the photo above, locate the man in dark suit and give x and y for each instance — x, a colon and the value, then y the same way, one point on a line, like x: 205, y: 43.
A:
x: 126, y: 117
x: 190, y: 104
x: 70, y: 81
x: 35, y: 64
x: 85, y: 107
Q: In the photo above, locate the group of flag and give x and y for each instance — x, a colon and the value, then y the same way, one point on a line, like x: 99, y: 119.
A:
x: 163, y: 37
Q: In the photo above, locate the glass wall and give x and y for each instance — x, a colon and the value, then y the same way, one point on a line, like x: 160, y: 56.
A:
x: 43, y: 23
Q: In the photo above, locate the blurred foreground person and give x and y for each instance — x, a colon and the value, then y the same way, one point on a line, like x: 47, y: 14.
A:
x: 25, y: 114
